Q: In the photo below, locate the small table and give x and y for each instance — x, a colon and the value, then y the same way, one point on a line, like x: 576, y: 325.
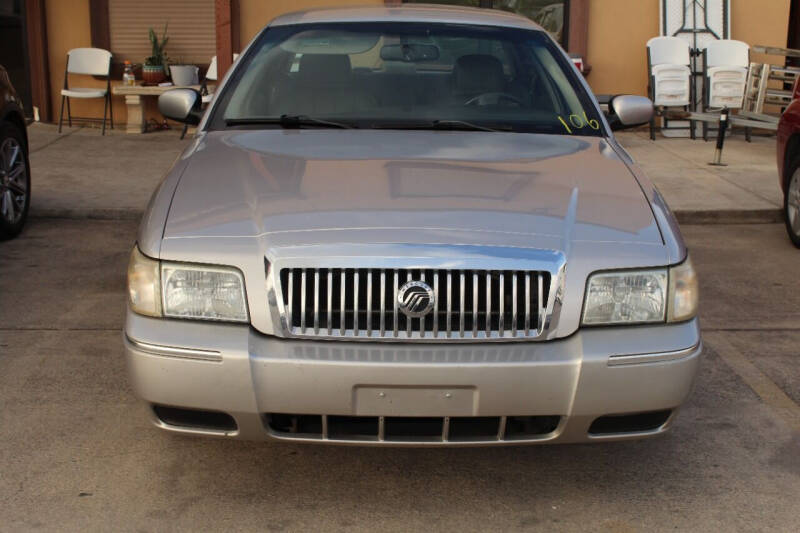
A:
x: 133, y: 99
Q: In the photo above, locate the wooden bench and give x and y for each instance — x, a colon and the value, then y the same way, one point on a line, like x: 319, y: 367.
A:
x: 134, y: 95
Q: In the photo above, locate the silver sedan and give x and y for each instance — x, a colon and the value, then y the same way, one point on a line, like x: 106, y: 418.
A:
x: 409, y: 226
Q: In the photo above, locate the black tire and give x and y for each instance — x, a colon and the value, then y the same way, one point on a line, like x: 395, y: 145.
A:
x: 9, y: 230
x: 790, y: 204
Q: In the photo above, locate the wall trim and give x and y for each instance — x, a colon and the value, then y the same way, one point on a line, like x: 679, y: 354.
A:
x: 39, y: 68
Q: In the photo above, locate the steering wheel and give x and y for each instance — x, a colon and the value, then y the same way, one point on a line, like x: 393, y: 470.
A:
x: 493, y: 99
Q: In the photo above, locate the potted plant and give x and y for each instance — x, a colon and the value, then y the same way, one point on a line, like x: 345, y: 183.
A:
x: 154, y: 68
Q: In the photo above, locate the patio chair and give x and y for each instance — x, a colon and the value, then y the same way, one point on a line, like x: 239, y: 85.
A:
x: 725, y: 66
x: 211, y: 75
x: 90, y: 62
x: 668, y: 66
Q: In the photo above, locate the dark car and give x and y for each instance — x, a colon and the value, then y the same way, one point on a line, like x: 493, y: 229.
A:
x: 15, y: 172
x: 789, y: 165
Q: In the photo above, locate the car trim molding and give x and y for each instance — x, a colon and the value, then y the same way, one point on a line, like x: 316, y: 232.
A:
x: 174, y: 351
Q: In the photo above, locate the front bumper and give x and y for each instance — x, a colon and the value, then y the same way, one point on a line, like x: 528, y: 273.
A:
x: 236, y: 370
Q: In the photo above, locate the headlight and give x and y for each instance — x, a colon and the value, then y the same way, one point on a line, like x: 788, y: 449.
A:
x: 185, y: 291
x: 210, y: 293
x: 626, y: 297
x: 683, y: 292
x: 641, y: 297
x: 144, y: 284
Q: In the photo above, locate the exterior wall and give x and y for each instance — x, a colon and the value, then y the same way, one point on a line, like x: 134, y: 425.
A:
x: 255, y: 14
x: 67, y: 28
x: 619, y: 31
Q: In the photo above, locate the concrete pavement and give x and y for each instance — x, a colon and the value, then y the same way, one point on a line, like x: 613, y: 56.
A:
x: 78, y: 453
x: 82, y: 174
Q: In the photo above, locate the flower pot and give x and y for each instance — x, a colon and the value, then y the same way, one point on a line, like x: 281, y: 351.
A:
x: 153, y: 74
x: 183, y: 75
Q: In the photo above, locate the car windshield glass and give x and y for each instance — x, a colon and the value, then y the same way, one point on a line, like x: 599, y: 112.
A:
x: 407, y: 76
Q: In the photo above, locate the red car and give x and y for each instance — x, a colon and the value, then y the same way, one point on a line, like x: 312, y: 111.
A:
x: 789, y: 164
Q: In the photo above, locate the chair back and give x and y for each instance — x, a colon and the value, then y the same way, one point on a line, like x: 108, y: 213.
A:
x: 668, y: 51
x: 91, y: 61
x: 727, y: 53
x: 211, y: 73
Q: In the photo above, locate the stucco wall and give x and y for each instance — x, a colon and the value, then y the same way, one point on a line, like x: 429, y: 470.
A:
x: 619, y: 31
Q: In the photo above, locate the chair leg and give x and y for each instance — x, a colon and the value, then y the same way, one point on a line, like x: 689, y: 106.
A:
x: 111, y: 110
x: 185, y: 129
x: 653, y: 127
x: 61, y: 114
x: 69, y: 113
x: 105, y: 114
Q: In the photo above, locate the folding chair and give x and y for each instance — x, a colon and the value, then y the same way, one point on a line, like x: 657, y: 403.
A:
x: 91, y: 62
x: 211, y: 75
x: 668, y: 67
x: 725, y: 67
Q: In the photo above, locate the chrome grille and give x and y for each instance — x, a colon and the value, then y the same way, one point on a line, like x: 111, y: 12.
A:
x: 361, y: 303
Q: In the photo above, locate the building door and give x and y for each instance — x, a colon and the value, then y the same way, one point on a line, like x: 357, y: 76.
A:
x: 14, y: 48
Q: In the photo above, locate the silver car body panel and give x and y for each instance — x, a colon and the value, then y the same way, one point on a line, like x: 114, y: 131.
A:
x: 264, y: 200
x: 579, y: 378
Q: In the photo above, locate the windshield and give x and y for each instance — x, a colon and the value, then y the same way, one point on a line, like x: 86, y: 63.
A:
x: 407, y: 75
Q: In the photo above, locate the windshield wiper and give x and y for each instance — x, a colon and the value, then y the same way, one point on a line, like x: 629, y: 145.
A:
x: 287, y: 122
x: 452, y: 125
x: 464, y: 125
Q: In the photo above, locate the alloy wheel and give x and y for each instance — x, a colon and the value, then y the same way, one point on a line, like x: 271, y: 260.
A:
x: 793, y: 204
x: 13, y: 180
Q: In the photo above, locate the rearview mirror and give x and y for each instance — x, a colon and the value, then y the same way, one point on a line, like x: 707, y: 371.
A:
x: 410, y: 53
x: 629, y: 111
x: 182, y: 105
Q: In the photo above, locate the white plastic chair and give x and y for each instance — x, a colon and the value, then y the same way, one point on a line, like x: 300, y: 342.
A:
x: 670, y: 75
x: 90, y: 62
x: 726, y: 63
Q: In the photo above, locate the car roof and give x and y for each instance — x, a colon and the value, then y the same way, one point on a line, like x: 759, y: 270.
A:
x: 408, y: 13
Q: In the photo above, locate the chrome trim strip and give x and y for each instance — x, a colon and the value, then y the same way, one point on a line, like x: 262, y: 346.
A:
x: 642, y: 358
x: 174, y: 351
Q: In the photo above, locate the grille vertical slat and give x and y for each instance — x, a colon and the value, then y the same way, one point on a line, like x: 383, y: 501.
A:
x: 396, y: 289
x: 316, y: 301
x: 527, y: 303
x: 409, y: 320
x: 342, y: 303
x: 436, y: 304
x: 303, y: 301
x: 355, y: 303
x: 474, y: 304
x: 383, y: 303
x: 514, y: 304
x: 468, y: 304
x: 540, y: 318
x: 488, y: 304
x: 462, y: 308
x: 502, y: 308
x: 330, y: 301
x: 290, y: 295
x: 449, y: 303
x: 369, y: 303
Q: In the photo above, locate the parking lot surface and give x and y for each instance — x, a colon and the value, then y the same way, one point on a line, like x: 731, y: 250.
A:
x: 78, y: 453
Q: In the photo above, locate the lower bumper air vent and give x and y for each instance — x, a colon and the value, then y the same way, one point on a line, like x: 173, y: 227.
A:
x: 195, y: 419
x: 638, y: 423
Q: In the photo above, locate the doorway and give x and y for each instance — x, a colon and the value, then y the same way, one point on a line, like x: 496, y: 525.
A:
x: 14, y: 49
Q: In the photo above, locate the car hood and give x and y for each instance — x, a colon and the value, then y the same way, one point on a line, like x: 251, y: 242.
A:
x: 313, y: 187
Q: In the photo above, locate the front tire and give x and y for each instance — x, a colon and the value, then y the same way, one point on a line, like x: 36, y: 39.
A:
x: 15, y: 181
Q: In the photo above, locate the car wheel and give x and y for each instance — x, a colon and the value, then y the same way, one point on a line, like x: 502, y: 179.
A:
x: 15, y: 181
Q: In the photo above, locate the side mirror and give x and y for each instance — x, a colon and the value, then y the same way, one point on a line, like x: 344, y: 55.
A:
x: 628, y: 111
x: 182, y: 105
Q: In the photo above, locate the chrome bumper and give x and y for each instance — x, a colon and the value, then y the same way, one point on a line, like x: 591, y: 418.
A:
x: 235, y: 370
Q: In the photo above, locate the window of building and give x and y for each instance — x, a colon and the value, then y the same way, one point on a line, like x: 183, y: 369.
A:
x: 552, y: 15
x: 190, y: 28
